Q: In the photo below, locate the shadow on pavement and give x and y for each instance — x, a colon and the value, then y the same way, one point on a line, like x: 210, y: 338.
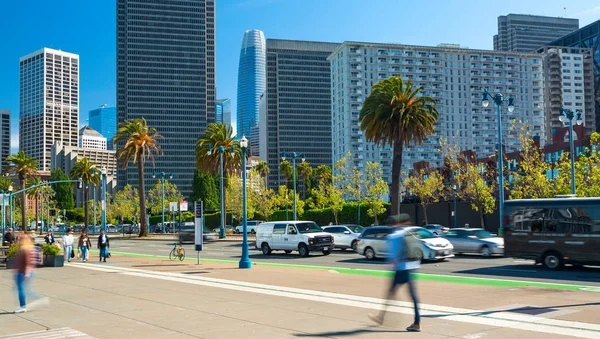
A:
x: 528, y: 310
x: 358, y: 331
x: 572, y: 273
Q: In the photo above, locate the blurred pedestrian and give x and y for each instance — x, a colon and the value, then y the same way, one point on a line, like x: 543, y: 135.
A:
x: 103, y: 245
x: 9, y: 238
x: 404, y: 257
x: 68, y: 244
x: 25, y: 264
x: 84, y: 245
x: 49, y: 238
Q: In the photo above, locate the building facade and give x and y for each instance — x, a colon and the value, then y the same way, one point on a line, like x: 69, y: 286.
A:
x: 4, y: 136
x: 251, y: 80
x: 166, y: 74
x: 90, y: 138
x: 49, y: 103
x: 224, y: 111
x: 104, y: 120
x: 526, y: 33
x: 297, y: 107
x: 455, y: 78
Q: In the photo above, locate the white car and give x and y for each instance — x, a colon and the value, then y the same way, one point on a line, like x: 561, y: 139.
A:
x: 288, y: 236
x: 252, y: 227
x: 345, y: 235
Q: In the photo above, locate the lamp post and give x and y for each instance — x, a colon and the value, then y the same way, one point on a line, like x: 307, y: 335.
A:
x: 162, y: 176
x: 498, y: 99
x: 454, y: 188
x: 245, y: 260
x: 568, y: 115
x: 293, y: 155
x: 103, y: 188
x: 94, y: 201
x: 10, y: 191
x: 221, y: 149
x: 3, y: 216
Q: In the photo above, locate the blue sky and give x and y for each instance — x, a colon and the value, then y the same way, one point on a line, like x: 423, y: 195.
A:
x: 88, y: 29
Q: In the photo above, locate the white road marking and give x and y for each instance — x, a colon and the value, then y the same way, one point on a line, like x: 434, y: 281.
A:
x: 500, y: 319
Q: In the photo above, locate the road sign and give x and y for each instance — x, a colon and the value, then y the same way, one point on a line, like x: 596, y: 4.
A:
x: 198, y: 208
x: 183, y: 205
x: 172, y: 207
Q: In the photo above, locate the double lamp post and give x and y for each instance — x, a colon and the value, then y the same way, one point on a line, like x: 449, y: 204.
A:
x: 568, y: 115
x: 162, y: 176
x: 293, y: 156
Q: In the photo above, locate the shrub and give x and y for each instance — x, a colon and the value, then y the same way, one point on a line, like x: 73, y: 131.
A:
x: 12, y: 250
x: 50, y: 249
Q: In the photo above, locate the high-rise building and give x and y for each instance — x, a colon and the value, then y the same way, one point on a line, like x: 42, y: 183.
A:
x: 104, y: 120
x: 254, y: 141
x: 455, y: 78
x: 4, y: 136
x: 587, y: 37
x: 49, y: 103
x: 224, y: 111
x: 251, y: 80
x: 90, y: 138
x: 297, y: 111
x: 166, y: 74
x: 526, y: 33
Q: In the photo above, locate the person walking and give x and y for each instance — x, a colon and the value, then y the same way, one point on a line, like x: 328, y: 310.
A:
x: 49, y: 238
x: 25, y: 264
x: 9, y: 238
x: 84, y: 245
x: 68, y: 244
x: 103, y: 245
x: 404, y: 258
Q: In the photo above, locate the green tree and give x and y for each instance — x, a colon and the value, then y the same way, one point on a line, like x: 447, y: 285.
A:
x: 126, y: 203
x: 64, y: 196
x: 234, y: 196
x: 474, y: 188
x: 262, y: 169
x: 285, y: 199
x: 395, y: 114
x: 24, y: 167
x: 305, y: 172
x: 323, y: 173
x: 375, y: 189
x: 285, y: 169
x: 262, y: 196
x: 34, y: 192
x: 172, y: 194
x: 206, y: 188
x: 137, y: 142
x: 90, y: 175
x: 427, y: 187
x: 5, y: 183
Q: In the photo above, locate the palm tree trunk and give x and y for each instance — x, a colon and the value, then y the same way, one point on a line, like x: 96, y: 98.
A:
x: 37, y: 218
x: 86, y: 215
x: 396, y: 170
x: 142, y: 191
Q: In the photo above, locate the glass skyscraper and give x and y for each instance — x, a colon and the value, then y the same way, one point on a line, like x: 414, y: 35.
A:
x: 104, y: 120
x: 224, y: 111
x: 251, y: 80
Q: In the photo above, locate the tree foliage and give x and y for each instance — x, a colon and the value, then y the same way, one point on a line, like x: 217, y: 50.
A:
x: 428, y: 187
x: 64, y: 197
x: 375, y: 189
x: 155, y: 195
x: 206, y: 188
x: 235, y: 199
x: 474, y: 188
x: 125, y: 203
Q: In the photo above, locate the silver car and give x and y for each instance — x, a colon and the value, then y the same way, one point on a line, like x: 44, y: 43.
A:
x: 475, y: 240
x: 345, y: 235
x: 372, y: 242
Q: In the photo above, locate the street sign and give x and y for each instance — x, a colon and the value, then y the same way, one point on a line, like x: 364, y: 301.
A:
x: 199, y: 223
x: 172, y: 207
x: 183, y: 205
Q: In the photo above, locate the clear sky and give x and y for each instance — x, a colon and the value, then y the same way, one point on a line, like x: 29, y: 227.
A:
x: 87, y: 28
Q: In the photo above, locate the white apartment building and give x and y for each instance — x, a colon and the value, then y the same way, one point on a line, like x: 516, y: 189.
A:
x: 90, y: 138
x: 455, y: 78
x: 49, y: 102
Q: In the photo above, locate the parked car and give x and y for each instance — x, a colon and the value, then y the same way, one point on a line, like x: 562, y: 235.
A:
x: 252, y: 226
x: 475, y: 240
x: 436, y: 229
x: 288, y: 236
x: 111, y: 228
x: 345, y: 235
x: 372, y: 243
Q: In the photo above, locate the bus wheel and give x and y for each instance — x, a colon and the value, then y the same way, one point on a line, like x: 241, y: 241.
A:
x: 552, y: 260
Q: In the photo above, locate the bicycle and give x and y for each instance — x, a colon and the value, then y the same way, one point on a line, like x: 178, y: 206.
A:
x: 177, y: 252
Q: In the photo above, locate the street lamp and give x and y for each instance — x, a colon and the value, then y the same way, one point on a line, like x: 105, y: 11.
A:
x: 10, y: 190
x: 568, y: 115
x: 94, y: 200
x: 162, y: 176
x: 454, y: 188
x: 245, y: 260
x: 498, y: 99
x: 3, y: 216
x: 103, y: 191
x: 293, y: 155
x: 221, y: 149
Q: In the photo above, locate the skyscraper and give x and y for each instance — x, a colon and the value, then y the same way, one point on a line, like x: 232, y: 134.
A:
x: 166, y: 74
x: 297, y: 109
x: 4, y: 136
x: 104, y: 120
x: 526, y: 33
x: 224, y: 111
x: 251, y: 80
x: 49, y: 103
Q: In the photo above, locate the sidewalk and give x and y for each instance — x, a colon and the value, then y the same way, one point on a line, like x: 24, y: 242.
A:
x: 140, y: 297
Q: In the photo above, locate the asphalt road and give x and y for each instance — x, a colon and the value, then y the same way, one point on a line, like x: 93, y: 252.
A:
x: 472, y: 266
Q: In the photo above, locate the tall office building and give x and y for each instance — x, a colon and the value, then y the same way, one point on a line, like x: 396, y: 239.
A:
x: 251, y: 80
x: 455, y: 78
x: 587, y: 37
x: 104, y: 120
x: 166, y: 74
x: 526, y: 33
x: 89, y: 138
x: 224, y: 111
x: 297, y: 107
x: 49, y: 103
x: 4, y: 136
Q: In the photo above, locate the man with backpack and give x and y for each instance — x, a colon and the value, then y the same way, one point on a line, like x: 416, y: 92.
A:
x: 404, y: 257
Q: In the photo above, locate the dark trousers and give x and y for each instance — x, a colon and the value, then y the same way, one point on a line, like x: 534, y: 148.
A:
x: 401, y: 278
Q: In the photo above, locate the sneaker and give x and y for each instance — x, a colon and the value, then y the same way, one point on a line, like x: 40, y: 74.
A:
x: 104, y: 260
x: 414, y: 328
x: 376, y: 318
x: 21, y: 310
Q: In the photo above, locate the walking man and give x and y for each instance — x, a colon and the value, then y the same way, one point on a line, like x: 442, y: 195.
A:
x: 404, y: 259
x: 103, y: 245
x: 25, y: 263
x: 68, y: 244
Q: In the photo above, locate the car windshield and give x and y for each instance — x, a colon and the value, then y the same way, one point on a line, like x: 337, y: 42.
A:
x: 481, y: 234
x: 308, y: 227
x: 422, y: 233
x: 356, y: 229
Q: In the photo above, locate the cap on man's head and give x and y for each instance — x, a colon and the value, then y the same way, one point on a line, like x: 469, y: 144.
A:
x: 398, y: 219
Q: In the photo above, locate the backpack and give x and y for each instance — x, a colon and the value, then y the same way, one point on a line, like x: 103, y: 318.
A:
x: 412, y: 252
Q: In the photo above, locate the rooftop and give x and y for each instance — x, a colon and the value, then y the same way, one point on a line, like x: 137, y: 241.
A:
x: 90, y: 132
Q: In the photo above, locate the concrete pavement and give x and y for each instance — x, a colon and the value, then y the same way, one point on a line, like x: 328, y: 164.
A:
x: 155, y: 298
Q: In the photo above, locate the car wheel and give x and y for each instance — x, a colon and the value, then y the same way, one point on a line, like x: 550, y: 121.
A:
x: 485, y: 251
x: 552, y: 260
x: 369, y: 253
x: 354, y: 245
x: 265, y: 248
x: 303, y: 250
x: 287, y: 251
x: 328, y: 252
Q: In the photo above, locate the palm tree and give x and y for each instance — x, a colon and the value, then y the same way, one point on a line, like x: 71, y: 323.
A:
x: 262, y: 168
x: 35, y: 193
x: 24, y: 167
x: 394, y: 114
x: 5, y: 183
x: 305, y: 171
x: 208, y: 156
x: 285, y: 169
x: 90, y: 175
x: 139, y: 143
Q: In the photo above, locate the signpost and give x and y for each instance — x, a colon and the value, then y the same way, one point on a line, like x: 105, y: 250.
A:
x: 183, y: 206
x: 199, y: 223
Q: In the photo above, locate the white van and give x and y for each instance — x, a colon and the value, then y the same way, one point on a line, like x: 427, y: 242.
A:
x: 288, y: 236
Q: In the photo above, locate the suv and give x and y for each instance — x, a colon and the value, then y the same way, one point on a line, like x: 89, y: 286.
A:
x: 345, y: 235
x: 288, y: 236
x: 252, y: 226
